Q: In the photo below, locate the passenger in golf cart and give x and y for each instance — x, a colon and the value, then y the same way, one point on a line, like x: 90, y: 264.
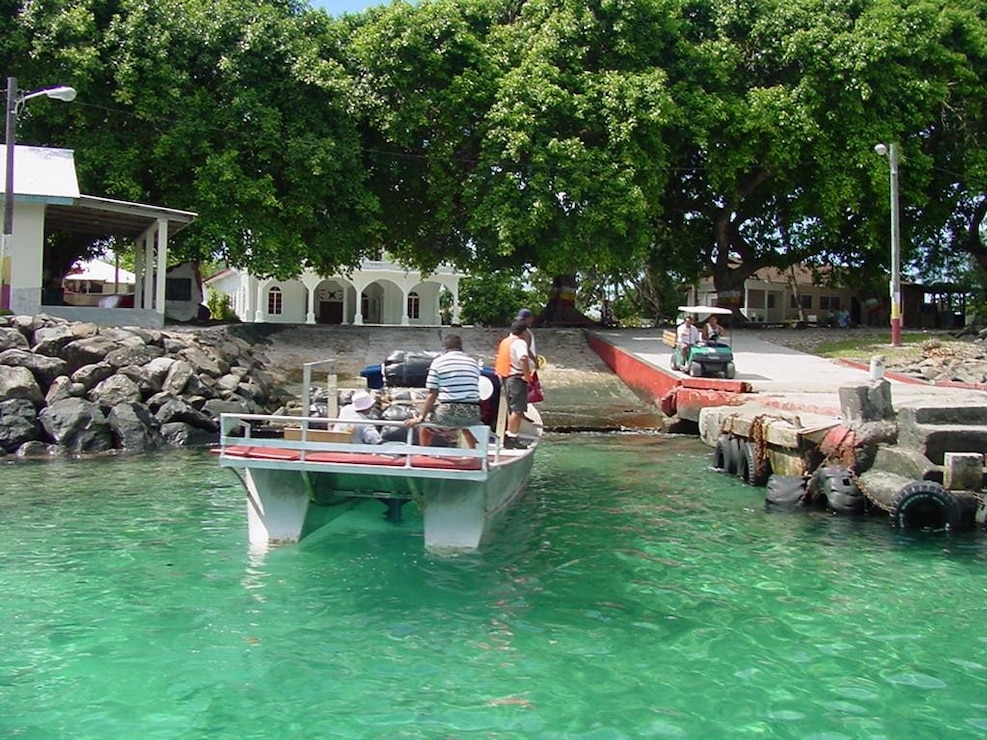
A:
x: 702, y: 353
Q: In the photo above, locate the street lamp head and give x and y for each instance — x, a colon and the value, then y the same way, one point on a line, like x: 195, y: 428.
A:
x: 62, y: 92
x: 881, y: 149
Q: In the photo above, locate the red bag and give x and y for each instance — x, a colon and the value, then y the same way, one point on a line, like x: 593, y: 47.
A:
x: 534, y: 390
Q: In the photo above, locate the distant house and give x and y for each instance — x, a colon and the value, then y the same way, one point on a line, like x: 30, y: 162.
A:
x: 380, y: 292
x: 46, y: 199
x: 775, y: 296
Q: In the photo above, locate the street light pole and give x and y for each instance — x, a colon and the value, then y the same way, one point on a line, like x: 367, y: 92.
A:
x: 892, y: 153
x: 14, y: 102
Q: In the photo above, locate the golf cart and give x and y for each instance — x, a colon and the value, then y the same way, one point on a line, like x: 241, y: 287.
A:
x: 707, y: 357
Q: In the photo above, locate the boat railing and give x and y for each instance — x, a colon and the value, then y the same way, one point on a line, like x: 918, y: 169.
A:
x: 312, y: 434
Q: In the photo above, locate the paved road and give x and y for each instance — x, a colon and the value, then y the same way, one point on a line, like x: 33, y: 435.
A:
x: 773, y: 370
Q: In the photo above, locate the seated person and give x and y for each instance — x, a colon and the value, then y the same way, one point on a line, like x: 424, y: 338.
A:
x: 453, y: 385
x: 353, y: 413
x: 712, y: 331
x: 687, y: 334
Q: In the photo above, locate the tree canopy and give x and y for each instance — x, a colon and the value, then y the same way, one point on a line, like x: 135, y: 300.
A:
x: 640, y: 139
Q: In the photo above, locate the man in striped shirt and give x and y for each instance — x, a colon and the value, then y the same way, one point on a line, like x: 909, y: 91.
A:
x: 453, y: 385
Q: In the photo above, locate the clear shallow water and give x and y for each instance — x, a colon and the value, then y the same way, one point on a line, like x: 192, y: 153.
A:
x: 633, y: 592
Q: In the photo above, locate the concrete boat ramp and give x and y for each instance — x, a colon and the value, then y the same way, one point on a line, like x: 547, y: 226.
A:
x: 819, y: 433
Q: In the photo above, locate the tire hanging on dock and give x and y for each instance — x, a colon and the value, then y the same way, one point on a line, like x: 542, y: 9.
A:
x: 720, y: 452
x: 786, y: 492
x: 754, y: 476
x: 925, y: 505
x: 835, y: 485
x: 733, y: 455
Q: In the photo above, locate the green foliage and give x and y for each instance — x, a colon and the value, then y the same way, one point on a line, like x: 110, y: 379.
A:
x: 491, y: 300
x: 220, y: 306
x: 650, y: 142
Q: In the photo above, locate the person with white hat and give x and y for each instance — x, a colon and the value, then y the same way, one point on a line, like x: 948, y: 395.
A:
x: 353, y: 413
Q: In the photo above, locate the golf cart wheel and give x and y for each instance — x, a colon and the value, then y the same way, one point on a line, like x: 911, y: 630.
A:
x: 729, y: 372
x: 671, y: 362
x: 696, y: 370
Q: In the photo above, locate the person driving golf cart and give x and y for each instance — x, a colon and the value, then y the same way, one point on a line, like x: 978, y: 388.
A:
x: 712, y: 331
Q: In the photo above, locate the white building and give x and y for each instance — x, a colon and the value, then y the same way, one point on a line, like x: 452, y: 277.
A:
x: 380, y: 292
x: 46, y: 199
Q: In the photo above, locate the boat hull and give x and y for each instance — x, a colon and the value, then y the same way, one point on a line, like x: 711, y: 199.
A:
x: 285, y: 506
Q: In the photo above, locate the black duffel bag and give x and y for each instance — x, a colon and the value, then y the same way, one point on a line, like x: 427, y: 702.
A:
x: 407, y: 369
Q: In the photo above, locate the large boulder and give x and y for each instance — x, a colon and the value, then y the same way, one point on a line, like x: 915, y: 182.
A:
x: 11, y: 338
x: 78, y: 425
x: 177, y: 378
x: 87, y: 351
x: 180, y: 434
x: 45, y: 368
x: 49, y: 340
x: 176, y: 410
x: 116, y: 389
x: 140, y: 354
x: 19, y: 382
x: 157, y: 370
x: 92, y: 375
x: 134, y: 427
x: 18, y: 423
x: 63, y: 387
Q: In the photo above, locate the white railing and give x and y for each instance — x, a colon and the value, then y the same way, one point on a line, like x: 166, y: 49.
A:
x: 236, y: 430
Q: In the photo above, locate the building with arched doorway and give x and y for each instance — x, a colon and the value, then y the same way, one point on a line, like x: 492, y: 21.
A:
x: 380, y: 292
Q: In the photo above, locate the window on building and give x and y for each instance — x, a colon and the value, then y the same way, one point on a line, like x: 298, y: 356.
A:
x: 178, y: 289
x: 414, y: 306
x: 829, y: 302
x: 771, y: 300
x: 275, y: 303
x: 806, y: 302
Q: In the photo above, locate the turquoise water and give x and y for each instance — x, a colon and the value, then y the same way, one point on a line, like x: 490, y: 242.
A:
x: 633, y: 592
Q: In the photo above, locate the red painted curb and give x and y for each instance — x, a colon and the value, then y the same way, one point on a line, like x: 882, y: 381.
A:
x: 890, y: 375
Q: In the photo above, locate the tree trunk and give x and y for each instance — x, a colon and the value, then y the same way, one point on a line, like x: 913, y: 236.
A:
x: 561, y: 307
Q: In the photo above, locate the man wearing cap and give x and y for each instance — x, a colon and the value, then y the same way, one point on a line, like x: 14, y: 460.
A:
x: 528, y: 319
x: 453, y: 384
x: 355, y: 412
x: 515, y: 368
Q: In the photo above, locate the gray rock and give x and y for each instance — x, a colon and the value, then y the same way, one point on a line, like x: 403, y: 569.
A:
x: 45, y: 368
x: 114, y: 390
x: 204, y: 362
x: 134, y: 427
x: 35, y: 449
x: 178, y: 377
x: 11, y: 338
x: 178, y: 410
x: 216, y: 406
x: 179, y: 434
x: 137, y: 355
x: 78, y: 425
x: 157, y: 370
x: 49, y: 340
x: 63, y: 387
x: 18, y: 423
x: 87, y: 351
x: 19, y: 382
x: 140, y: 377
x: 92, y: 375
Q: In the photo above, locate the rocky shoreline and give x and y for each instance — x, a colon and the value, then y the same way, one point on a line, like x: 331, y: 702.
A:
x: 70, y: 388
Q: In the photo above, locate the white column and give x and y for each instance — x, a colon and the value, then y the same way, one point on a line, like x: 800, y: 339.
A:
x: 358, y: 285
x: 159, y: 297
x: 261, y: 305
x: 139, y: 277
x: 404, y: 306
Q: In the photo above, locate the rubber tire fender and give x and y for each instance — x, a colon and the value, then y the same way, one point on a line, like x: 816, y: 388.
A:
x: 721, y: 452
x: 835, y: 485
x: 733, y: 455
x: 744, y: 461
x: 786, y: 492
x: 922, y: 501
x: 749, y: 451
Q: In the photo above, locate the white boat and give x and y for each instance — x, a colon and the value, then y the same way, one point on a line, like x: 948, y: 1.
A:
x: 297, y: 483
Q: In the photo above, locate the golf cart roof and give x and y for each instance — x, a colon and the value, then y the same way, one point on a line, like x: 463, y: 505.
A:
x: 705, y: 310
